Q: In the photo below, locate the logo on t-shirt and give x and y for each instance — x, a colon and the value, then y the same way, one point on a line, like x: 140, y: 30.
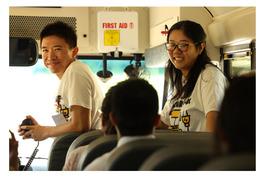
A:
x: 186, y: 120
x: 176, y: 116
x: 60, y: 108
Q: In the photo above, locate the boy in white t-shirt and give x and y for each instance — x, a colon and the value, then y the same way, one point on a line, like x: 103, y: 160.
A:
x: 79, y: 96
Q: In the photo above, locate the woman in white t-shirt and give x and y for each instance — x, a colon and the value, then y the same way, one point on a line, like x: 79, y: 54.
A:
x: 197, y: 85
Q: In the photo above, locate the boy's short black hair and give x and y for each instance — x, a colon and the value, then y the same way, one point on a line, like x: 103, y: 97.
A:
x: 135, y: 107
x: 62, y: 30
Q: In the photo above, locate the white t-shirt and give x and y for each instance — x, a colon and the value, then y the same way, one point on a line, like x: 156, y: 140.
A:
x: 189, y: 114
x: 72, y: 161
x: 78, y: 86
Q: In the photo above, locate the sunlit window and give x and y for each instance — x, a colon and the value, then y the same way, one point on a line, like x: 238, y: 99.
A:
x: 117, y: 68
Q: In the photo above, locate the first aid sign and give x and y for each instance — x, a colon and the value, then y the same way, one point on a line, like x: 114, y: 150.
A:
x: 119, y: 30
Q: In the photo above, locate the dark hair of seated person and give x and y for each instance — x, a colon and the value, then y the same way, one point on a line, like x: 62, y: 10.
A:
x: 236, y: 123
x: 108, y: 128
x: 135, y: 107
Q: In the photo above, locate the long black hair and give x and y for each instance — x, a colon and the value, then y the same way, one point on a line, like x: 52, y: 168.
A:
x: 194, y: 32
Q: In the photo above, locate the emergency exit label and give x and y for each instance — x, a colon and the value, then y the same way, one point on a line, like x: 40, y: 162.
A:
x: 111, y: 37
x: 117, y: 30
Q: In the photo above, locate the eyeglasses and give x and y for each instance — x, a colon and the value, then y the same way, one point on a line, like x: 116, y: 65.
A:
x: 182, y: 47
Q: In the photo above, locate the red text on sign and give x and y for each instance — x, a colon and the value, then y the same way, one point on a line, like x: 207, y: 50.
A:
x: 117, y: 25
x: 109, y: 25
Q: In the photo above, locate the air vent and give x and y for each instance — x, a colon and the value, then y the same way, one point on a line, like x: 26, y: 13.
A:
x: 31, y: 26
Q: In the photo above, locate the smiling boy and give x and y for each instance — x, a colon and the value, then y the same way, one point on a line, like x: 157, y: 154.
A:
x: 79, y: 96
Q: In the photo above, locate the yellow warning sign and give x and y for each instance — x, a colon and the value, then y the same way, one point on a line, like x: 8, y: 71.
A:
x: 111, y: 37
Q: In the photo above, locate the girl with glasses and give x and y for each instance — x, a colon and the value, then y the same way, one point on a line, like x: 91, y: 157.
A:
x: 197, y: 86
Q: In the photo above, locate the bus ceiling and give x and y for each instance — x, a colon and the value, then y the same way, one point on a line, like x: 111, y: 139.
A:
x: 131, y: 30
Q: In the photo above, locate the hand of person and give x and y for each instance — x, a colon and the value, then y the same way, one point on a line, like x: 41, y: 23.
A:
x: 13, y: 152
x: 36, y: 132
x: 22, y: 131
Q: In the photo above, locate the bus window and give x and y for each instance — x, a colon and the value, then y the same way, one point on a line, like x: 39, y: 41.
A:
x: 117, y: 68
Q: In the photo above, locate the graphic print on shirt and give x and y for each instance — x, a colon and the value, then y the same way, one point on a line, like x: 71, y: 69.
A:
x: 186, y: 120
x: 61, y: 108
x: 176, y: 117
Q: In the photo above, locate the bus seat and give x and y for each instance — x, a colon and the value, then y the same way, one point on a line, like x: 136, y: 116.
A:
x: 97, y: 148
x: 59, y: 150
x: 84, y: 139
x: 163, y: 130
x: 180, y: 158
x: 131, y: 155
x: 169, y: 134
x: 188, y: 138
x: 234, y: 162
